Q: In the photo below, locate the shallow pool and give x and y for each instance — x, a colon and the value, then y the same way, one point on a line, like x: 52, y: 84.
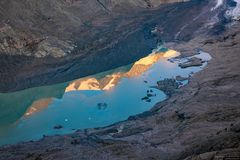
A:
x: 94, y: 101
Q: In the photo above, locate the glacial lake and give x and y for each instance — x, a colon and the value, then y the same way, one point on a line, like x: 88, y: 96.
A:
x: 94, y: 101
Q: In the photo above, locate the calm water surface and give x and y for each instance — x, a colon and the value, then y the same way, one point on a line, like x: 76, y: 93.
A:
x: 93, y: 101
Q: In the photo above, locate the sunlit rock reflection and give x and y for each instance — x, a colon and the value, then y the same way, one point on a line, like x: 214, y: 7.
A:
x: 27, y: 102
x: 14, y: 105
x: 38, y: 106
x: 94, y: 101
x: 109, y: 81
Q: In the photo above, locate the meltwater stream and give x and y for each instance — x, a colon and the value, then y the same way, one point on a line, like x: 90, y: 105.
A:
x: 94, y: 101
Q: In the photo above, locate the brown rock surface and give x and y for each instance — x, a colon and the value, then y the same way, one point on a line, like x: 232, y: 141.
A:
x: 49, y: 28
x: 192, y: 62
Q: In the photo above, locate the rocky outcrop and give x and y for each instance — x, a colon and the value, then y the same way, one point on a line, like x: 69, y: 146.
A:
x: 168, y: 86
x: 192, y: 62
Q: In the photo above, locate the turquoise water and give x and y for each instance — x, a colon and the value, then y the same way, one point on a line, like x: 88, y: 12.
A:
x: 89, y: 102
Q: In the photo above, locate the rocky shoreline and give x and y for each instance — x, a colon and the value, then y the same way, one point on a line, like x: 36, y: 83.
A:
x: 199, y: 122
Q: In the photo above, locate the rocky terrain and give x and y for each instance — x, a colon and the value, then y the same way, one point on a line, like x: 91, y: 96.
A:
x: 46, y: 42
x: 198, y: 122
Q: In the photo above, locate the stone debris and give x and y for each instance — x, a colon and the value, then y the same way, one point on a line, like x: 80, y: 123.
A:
x: 192, y: 62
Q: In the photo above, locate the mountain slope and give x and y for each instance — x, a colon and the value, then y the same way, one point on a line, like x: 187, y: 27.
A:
x: 46, y: 42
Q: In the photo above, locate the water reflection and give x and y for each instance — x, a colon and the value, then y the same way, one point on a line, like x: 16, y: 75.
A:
x: 111, y: 80
x: 103, y: 81
x: 14, y: 105
x: 93, y: 101
x: 38, y: 106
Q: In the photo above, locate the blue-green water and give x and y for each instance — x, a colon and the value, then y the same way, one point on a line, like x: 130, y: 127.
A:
x: 96, y: 103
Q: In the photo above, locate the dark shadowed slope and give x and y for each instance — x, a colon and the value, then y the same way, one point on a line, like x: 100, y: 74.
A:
x: 45, y: 42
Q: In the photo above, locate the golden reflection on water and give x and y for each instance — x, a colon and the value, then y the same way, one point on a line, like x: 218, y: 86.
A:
x: 38, y: 106
x: 108, y: 81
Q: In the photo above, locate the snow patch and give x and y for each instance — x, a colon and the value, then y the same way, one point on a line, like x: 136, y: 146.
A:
x: 218, y: 4
x: 234, y: 12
